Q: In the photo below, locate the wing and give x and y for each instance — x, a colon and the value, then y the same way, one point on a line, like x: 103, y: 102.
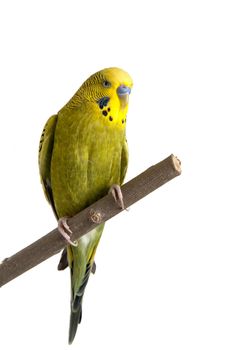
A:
x: 45, y: 155
x: 124, y: 161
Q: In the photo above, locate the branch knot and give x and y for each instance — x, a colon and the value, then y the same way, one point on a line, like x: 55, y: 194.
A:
x: 96, y: 216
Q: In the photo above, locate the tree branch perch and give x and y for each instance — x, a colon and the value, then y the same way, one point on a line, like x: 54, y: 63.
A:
x: 100, y: 211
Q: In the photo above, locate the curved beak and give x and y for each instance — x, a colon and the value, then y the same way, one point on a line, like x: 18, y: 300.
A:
x: 123, y: 92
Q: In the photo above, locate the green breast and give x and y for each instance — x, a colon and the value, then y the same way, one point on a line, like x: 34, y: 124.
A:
x: 86, y: 161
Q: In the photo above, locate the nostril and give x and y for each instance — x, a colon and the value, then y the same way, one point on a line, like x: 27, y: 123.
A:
x: 123, y: 90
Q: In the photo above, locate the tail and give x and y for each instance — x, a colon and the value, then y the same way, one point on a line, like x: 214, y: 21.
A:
x: 81, y: 262
x: 75, y: 319
x: 76, y: 305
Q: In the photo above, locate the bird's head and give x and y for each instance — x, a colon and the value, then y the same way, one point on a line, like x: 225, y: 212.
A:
x: 106, y: 94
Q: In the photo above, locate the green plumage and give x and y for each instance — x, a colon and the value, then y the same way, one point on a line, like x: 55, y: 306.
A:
x: 83, y: 152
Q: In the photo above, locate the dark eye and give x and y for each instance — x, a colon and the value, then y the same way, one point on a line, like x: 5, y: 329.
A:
x: 106, y: 84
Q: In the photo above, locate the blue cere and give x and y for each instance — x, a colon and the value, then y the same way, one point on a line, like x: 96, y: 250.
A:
x: 123, y: 90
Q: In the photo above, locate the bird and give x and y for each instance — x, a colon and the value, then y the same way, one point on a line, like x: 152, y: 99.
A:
x: 83, y: 154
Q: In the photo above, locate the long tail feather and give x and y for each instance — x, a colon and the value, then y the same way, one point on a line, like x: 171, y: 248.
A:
x: 76, y: 306
x: 81, y: 262
x: 75, y: 319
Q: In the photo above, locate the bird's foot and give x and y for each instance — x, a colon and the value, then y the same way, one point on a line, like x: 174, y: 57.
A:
x: 65, y: 230
x: 115, y: 191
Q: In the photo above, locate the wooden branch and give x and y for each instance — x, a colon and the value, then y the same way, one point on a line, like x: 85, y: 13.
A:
x: 100, y: 211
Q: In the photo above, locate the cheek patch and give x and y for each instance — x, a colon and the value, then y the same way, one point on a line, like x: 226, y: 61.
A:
x: 103, y: 102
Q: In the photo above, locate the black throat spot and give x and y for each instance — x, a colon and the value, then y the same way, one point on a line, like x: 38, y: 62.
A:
x: 103, y: 102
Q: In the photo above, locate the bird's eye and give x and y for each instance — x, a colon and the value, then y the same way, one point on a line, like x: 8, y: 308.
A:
x: 106, y: 84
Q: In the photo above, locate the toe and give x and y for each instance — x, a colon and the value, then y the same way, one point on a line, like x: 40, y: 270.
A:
x: 65, y: 230
x: 116, y: 192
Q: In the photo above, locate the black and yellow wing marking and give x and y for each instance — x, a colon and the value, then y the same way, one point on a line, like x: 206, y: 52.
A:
x: 45, y: 156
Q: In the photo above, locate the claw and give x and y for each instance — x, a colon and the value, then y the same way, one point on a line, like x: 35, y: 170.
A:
x: 115, y: 190
x: 65, y: 230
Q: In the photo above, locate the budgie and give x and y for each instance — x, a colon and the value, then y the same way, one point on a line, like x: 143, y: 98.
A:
x: 83, y: 154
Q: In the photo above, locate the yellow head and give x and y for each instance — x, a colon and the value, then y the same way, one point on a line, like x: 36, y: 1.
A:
x: 105, y: 95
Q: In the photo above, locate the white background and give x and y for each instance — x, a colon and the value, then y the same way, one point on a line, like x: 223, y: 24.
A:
x: 165, y: 268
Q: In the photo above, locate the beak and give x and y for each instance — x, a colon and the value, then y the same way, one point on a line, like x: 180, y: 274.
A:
x: 123, y: 92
